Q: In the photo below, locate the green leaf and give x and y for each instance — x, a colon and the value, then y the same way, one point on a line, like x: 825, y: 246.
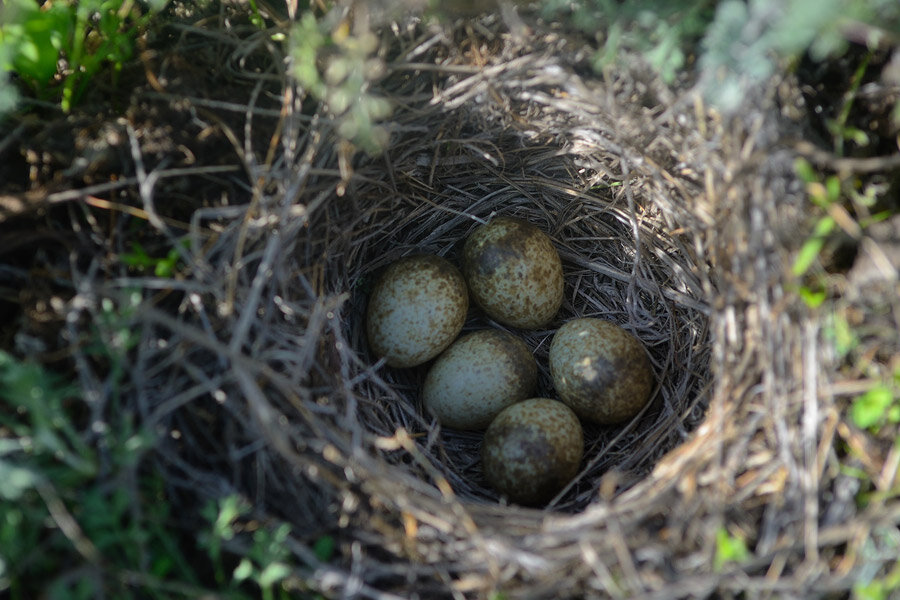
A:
x: 230, y: 508
x: 729, y: 548
x: 90, y: 34
x: 874, y: 590
x: 842, y: 335
x: 166, y: 266
x: 162, y: 565
x: 16, y: 480
x: 273, y: 573
x: 307, y: 38
x: 855, y: 472
x: 856, y: 135
x: 808, y: 254
x: 811, y: 248
x: 36, y: 59
x: 137, y: 257
x: 805, y: 171
x: 323, y: 548
x: 870, y: 409
x: 893, y: 414
x: 833, y: 185
x: 244, y: 570
x: 36, y: 38
x: 606, y: 55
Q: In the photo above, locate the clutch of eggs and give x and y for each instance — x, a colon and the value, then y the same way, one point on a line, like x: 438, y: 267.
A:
x: 416, y: 309
x: 532, y: 447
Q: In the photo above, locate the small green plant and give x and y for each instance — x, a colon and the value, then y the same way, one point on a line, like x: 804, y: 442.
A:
x: 264, y: 563
x: 730, y: 548
x: 38, y: 418
x: 67, y: 502
x: 746, y: 40
x: 86, y: 35
x: 344, y: 83
x: 33, y: 39
x: 825, y: 195
x: 114, y: 336
x: 842, y: 203
x: 662, y: 32
x: 882, y: 546
x: 841, y: 131
x: 843, y: 207
x: 844, y: 339
x: 221, y: 516
x: 879, y: 589
x: 138, y: 259
x: 878, y: 406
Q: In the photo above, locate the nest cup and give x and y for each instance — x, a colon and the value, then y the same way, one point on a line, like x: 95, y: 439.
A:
x: 620, y: 261
x: 320, y: 435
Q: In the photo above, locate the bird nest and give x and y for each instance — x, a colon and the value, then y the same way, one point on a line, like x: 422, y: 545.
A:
x: 669, y: 220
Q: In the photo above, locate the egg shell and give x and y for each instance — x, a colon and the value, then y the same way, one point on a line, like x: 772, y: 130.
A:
x: 532, y: 450
x: 416, y: 309
x: 514, y: 272
x: 479, y: 375
x: 600, y: 370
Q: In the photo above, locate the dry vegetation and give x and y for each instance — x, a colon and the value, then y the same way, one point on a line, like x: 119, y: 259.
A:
x: 249, y: 363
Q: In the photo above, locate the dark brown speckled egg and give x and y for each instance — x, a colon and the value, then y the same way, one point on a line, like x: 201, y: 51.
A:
x: 514, y: 272
x: 416, y: 309
x: 600, y: 370
x: 532, y: 450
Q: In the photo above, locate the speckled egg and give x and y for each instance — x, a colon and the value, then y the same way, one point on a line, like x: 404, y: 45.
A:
x: 514, y: 272
x: 416, y: 309
x: 600, y: 370
x: 532, y: 450
x: 479, y: 375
